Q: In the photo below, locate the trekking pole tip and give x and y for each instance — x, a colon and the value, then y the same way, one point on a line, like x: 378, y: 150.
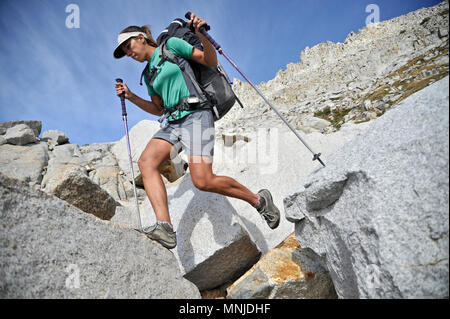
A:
x: 317, y: 157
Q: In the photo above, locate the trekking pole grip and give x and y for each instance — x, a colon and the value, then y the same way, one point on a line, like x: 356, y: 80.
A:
x: 203, y: 30
x: 122, y: 99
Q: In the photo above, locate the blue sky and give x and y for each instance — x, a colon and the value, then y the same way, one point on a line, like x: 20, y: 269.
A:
x: 65, y: 76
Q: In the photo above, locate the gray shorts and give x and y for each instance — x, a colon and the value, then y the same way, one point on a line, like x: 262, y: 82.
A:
x: 193, y: 133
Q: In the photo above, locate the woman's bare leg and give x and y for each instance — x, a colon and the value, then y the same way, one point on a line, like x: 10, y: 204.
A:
x: 155, y: 153
x: 205, y: 180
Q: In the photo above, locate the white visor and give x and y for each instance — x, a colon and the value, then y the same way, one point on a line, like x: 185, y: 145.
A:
x: 118, y: 52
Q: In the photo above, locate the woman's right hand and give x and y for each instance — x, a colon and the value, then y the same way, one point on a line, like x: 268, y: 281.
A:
x: 123, y: 88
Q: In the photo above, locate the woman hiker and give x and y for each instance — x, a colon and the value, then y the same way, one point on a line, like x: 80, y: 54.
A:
x: 168, y: 90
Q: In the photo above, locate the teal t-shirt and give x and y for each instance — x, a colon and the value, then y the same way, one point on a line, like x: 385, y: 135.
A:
x: 169, y: 82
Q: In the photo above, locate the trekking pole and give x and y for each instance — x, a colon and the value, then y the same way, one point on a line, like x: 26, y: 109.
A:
x: 124, y: 117
x: 217, y: 46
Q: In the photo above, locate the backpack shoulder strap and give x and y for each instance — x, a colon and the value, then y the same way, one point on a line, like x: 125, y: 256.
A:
x: 166, y: 55
x: 150, y: 73
x: 145, y: 73
x: 185, y: 68
x: 169, y: 56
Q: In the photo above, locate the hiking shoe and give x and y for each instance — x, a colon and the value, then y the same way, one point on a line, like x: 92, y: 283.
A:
x: 268, y: 210
x: 162, y: 233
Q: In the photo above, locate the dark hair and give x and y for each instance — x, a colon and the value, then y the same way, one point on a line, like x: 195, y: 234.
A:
x: 145, y: 29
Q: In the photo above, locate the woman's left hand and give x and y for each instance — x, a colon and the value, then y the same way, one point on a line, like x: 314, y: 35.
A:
x: 197, y: 22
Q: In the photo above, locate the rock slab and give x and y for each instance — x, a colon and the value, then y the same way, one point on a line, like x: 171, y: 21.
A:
x: 50, y: 249
x: 67, y: 178
x: 36, y: 126
x: 377, y: 215
x: 20, y: 134
x: 284, y: 273
x: 25, y: 163
x: 212, y: 246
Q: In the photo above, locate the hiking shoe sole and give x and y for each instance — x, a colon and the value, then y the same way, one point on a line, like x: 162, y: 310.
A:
x: 269, y: 212
x: 163, y: 234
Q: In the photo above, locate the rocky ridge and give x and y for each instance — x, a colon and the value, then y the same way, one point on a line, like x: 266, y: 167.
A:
x: 355, y: 81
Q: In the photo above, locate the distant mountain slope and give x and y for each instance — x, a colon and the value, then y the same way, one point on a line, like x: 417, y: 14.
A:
x: 357, y: 80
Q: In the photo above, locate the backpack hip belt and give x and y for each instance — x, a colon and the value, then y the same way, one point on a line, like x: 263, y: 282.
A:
x: 187, y: 104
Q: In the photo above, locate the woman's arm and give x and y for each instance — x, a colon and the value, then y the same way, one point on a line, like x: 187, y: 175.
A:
x: 208, y: 56
x: 153, y: 107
